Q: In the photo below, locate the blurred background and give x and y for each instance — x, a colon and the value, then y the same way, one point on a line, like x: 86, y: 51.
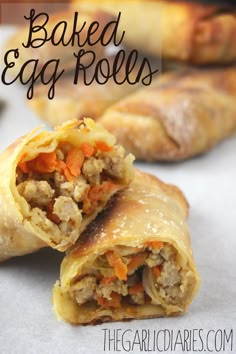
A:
x: 52, y: 5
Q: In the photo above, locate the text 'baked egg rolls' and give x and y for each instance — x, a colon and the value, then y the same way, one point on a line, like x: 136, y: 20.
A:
x: 187, y: 31
x: 53, y: 184
x: 182, y: 114
x: 134, y: 261
x: 55, y: 49
x: 79, y: 100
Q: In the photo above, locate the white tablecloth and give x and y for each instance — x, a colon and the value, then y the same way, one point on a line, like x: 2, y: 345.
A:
x: 27, y: 323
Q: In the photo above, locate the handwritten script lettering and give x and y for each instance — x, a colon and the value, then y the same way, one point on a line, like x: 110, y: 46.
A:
x: 79, y: 43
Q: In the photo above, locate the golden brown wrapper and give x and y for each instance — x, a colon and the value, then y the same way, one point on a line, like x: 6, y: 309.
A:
x: 75, y: 101
x: 188, y: 31
x: 148, y: 211
x: 182, y: 114
x: 20, y: 231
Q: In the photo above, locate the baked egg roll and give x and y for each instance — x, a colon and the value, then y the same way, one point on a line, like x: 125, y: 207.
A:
x: 84, y: 101
x: 63, y: 44
x: 179, y: 30
x: 134, y: 261
x: 182, y: 114
x: 53, y: 184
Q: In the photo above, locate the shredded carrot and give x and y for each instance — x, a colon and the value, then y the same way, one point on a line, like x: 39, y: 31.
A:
x: 61, y: 166
x: 102, y: 146
x: 115, y: 301
x: 136, y: 261
x: 43, y: 163
x: 68, y: 174
x: 74, y: 161
x: 48, y: 162
x: 115, y: 261
x: 155, y: 244
x: 87, y: 149
x: 23, y: 166
x: 50, y: 215
x: 108, y: 186
x: 156, y: 271
x: 107, y: 280
x: 137, y: 288
x: 97, y: 192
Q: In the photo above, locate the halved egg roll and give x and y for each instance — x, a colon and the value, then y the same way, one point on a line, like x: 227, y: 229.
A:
x: 182, y: 114
x: 53, y: 184
x: 134, y: 261
x: 180, y: 30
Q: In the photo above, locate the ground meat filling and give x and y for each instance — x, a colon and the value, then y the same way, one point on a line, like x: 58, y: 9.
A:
x: 169, y: 281
x: 84, y: 289
x: 62, y: 186
x: 36, y: 193
x: 106, y: 290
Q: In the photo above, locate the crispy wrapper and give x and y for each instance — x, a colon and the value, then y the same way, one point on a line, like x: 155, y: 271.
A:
x: 79, y: 100
x: 76, y: 101
x: 182, y: 114
x: 134, y: 261
x: 53, y: 184
x: 187, y: 31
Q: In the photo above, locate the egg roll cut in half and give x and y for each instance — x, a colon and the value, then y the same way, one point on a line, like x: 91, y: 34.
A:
x: 182, y: 114
x: 134, y: 261
x: 53, y: 184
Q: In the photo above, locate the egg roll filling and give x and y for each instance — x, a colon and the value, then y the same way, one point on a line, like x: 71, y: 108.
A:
x: 67, y: 185
x: 153, y: 274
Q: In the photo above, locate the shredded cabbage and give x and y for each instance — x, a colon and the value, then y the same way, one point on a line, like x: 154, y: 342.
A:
x: 149, y: 286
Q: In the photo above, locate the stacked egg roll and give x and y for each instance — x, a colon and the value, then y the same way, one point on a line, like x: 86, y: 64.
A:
x: 178, y: 30
x: 182, y: 114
